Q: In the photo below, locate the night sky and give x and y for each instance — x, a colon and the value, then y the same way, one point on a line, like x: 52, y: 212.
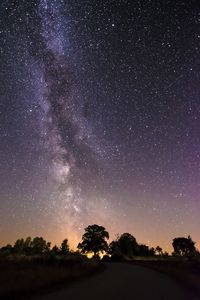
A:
x: 100, y: 119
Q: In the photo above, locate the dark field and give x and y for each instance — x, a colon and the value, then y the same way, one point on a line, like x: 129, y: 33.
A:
x: 24, y: 276
x: 185, y: 272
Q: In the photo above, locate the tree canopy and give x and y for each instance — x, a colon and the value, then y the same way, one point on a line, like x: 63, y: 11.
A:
x: 64, y: 249
x: 184, y: 246
x: 158, y: 250
x: 94, y: 240
x: 126, y: 245
x: 28, y: 246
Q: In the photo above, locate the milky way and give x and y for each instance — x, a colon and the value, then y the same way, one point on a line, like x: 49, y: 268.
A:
x: 99, y: 118
x: 67, y: 133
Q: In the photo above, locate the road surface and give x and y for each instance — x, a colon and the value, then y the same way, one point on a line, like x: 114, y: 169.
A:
x: 122, y: 281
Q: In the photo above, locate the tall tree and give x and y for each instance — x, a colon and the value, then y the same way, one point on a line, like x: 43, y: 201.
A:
x: 158, y: 250
x: 55, y: 250
x: 144, y: 250
x: 64, y: 249
x: 128, y: 244
x: 114, y: 249
x: 184, y: 246
x: 6, y: 250
x: 124, y: 245
x: 19, y: 246
x: 40, y: 246
x: 94, y: 240
x: 27, y: 245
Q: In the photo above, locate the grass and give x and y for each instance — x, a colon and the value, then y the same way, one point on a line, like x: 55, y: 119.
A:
x: 183, y: 271
x: 21, y: 276
x: 24, y: 276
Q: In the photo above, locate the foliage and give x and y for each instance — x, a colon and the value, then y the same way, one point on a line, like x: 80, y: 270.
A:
x: 22, y: 246
x: 55, y: 250
x: 128, y: 244
x: 165, y: 254
x: 21, y: 275
x: 27, y: 247
x: 158, y: 250
x: 114, y: 249
x: 94, y: 240
x: 19, y: 246
x: 35, y: 246
x: 184, y: 246
x: 64, y: 249
x: 6, y: 250
x: 144, y: 250
x: 40, y: 246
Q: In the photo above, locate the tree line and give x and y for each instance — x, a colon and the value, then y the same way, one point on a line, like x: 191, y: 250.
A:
x: 35, y: 246
x: 95, y: 241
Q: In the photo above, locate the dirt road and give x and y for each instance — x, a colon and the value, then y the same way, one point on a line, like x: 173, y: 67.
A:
x: 122, y: 281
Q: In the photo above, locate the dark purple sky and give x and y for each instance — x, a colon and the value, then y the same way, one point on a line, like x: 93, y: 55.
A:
x: 100, y: 118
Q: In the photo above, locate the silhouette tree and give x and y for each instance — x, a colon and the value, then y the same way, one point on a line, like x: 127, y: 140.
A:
x: 152, y: 251
x: 128, y: 244
x: 64, y: 249
x: 158, y: 250
x: 27, y: 245
x: 55, y: 250
x: 114, y: 249
x: 197, y: 253
x: 94, y: 240
x: 165, y: 254
x: 124, y: 245
x: 19, y: 246
x: 184, y: 246
x: 6, y: 250
x: 143, y: 250
x: 40, y: 246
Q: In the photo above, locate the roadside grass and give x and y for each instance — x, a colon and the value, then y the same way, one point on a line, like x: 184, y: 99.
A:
x: 21, y: 276
x: 186, y: 272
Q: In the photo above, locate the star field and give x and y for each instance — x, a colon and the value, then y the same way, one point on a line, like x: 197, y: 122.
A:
x: 99, y: 118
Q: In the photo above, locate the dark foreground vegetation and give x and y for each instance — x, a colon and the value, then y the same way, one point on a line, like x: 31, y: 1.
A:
x: 33, y: 265
x: 184, y: 271
x: 22, y: 276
